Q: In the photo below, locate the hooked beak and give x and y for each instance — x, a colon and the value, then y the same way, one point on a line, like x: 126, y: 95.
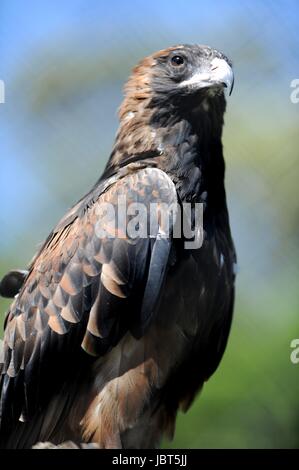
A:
x: 219, y: 73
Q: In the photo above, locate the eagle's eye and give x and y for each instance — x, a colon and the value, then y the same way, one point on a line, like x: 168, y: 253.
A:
x: 177, y: 60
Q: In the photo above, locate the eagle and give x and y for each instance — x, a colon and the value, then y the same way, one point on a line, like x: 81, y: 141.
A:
x: 111, y: 332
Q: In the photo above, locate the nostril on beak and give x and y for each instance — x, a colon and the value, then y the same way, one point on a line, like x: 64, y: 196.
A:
x: 215, y: 67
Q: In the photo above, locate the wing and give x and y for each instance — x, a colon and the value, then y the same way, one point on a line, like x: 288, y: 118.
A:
x: 84, y: 290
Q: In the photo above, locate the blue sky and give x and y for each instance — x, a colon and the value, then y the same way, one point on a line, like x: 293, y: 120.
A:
x: 26, y: 24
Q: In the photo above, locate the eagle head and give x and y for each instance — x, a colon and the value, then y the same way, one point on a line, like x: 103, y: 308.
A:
x: 172, y: 94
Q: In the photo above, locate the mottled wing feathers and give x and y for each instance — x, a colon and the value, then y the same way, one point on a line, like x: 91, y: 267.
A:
x: 83, y: 289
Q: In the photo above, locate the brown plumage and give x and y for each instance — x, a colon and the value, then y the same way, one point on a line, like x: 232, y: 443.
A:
x: 109, y: 336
